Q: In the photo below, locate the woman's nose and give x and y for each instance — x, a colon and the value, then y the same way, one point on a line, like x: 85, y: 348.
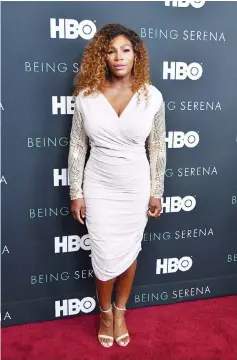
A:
x: 118, y: 55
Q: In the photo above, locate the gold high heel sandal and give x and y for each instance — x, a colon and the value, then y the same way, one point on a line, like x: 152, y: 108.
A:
x: 101, y: 336
x: 119, y: 338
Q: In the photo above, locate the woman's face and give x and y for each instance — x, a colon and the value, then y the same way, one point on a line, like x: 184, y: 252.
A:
x: 120, y: 56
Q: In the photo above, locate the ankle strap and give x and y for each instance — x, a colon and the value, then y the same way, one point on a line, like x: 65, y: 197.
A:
x: 118, y: 307
x: 105, y: 310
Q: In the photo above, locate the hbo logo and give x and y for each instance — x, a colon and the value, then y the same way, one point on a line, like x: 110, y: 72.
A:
x: 71, y: 243
x: 71, y: 29
x: 180, y: 70
x: 185, y: 3
x: 74, y: 306
x: 173, y: 264
x: 176, y: 203
x: 178, y: 139
x: 62, y: 105
x: 60, y: 177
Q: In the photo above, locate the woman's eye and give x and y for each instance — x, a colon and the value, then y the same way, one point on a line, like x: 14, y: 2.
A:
x: 111, y: 51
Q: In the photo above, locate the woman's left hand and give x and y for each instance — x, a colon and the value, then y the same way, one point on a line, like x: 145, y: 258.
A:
x: 155, y: 207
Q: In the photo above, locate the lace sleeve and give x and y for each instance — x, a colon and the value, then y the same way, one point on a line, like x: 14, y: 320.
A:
x: 78, y: 146
x: 157, y: 153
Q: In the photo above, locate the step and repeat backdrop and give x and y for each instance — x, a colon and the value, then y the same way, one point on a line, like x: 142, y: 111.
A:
x: 190, y: 252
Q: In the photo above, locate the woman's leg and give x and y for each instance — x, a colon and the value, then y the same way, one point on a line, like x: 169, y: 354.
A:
x: 104, y: 293
x: 123, y: 289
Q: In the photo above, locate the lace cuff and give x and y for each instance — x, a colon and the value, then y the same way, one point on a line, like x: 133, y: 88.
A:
x: 78, y: 146
x: 157, y: 153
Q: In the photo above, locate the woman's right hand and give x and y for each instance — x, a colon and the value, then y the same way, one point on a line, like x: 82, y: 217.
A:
x: 78, y: 209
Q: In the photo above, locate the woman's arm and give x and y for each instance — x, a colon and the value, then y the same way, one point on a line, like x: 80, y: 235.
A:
x: 157, y: 152
x: 77, y: 153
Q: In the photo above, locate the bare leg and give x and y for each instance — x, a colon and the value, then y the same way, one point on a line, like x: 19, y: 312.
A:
x: 123, y: 289
x: 104, y: 292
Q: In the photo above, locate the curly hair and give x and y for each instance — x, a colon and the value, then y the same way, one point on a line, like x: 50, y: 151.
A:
x: 93, y: 71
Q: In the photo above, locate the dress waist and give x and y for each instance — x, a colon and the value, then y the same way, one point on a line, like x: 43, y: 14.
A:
x: 117, y: 173
x: 117, y: 156
x: 116, y: 165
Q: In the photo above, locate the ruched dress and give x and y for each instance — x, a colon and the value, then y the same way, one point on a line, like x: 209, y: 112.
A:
x: 118, y: 178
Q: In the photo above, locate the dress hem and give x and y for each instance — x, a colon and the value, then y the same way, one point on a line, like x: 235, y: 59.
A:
x: 122, y: 271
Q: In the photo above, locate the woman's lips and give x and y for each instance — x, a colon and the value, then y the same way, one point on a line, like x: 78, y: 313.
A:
x: 119, y: 67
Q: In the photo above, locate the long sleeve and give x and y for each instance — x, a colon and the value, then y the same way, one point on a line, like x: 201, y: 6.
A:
x: 78, y: 146
x: 157, y: 153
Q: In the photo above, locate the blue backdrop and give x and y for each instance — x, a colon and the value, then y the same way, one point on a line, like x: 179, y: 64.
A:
x: 189, y: 253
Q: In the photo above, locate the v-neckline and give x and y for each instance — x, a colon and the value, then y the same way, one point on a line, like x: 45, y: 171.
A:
x: 124, y: 110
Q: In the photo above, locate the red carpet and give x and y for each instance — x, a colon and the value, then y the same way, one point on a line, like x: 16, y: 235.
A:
x: 195, y: 330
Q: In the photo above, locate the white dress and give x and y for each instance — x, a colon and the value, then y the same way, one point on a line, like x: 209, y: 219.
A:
x: 118, y: 179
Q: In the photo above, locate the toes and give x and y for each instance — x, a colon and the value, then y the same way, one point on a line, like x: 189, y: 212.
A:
x: 102, y: 341
x: 125, y: 341
x: 106, y: 342
x: 122, y: 343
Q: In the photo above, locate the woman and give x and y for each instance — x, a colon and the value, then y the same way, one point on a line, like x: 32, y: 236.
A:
x: 119, y: 188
